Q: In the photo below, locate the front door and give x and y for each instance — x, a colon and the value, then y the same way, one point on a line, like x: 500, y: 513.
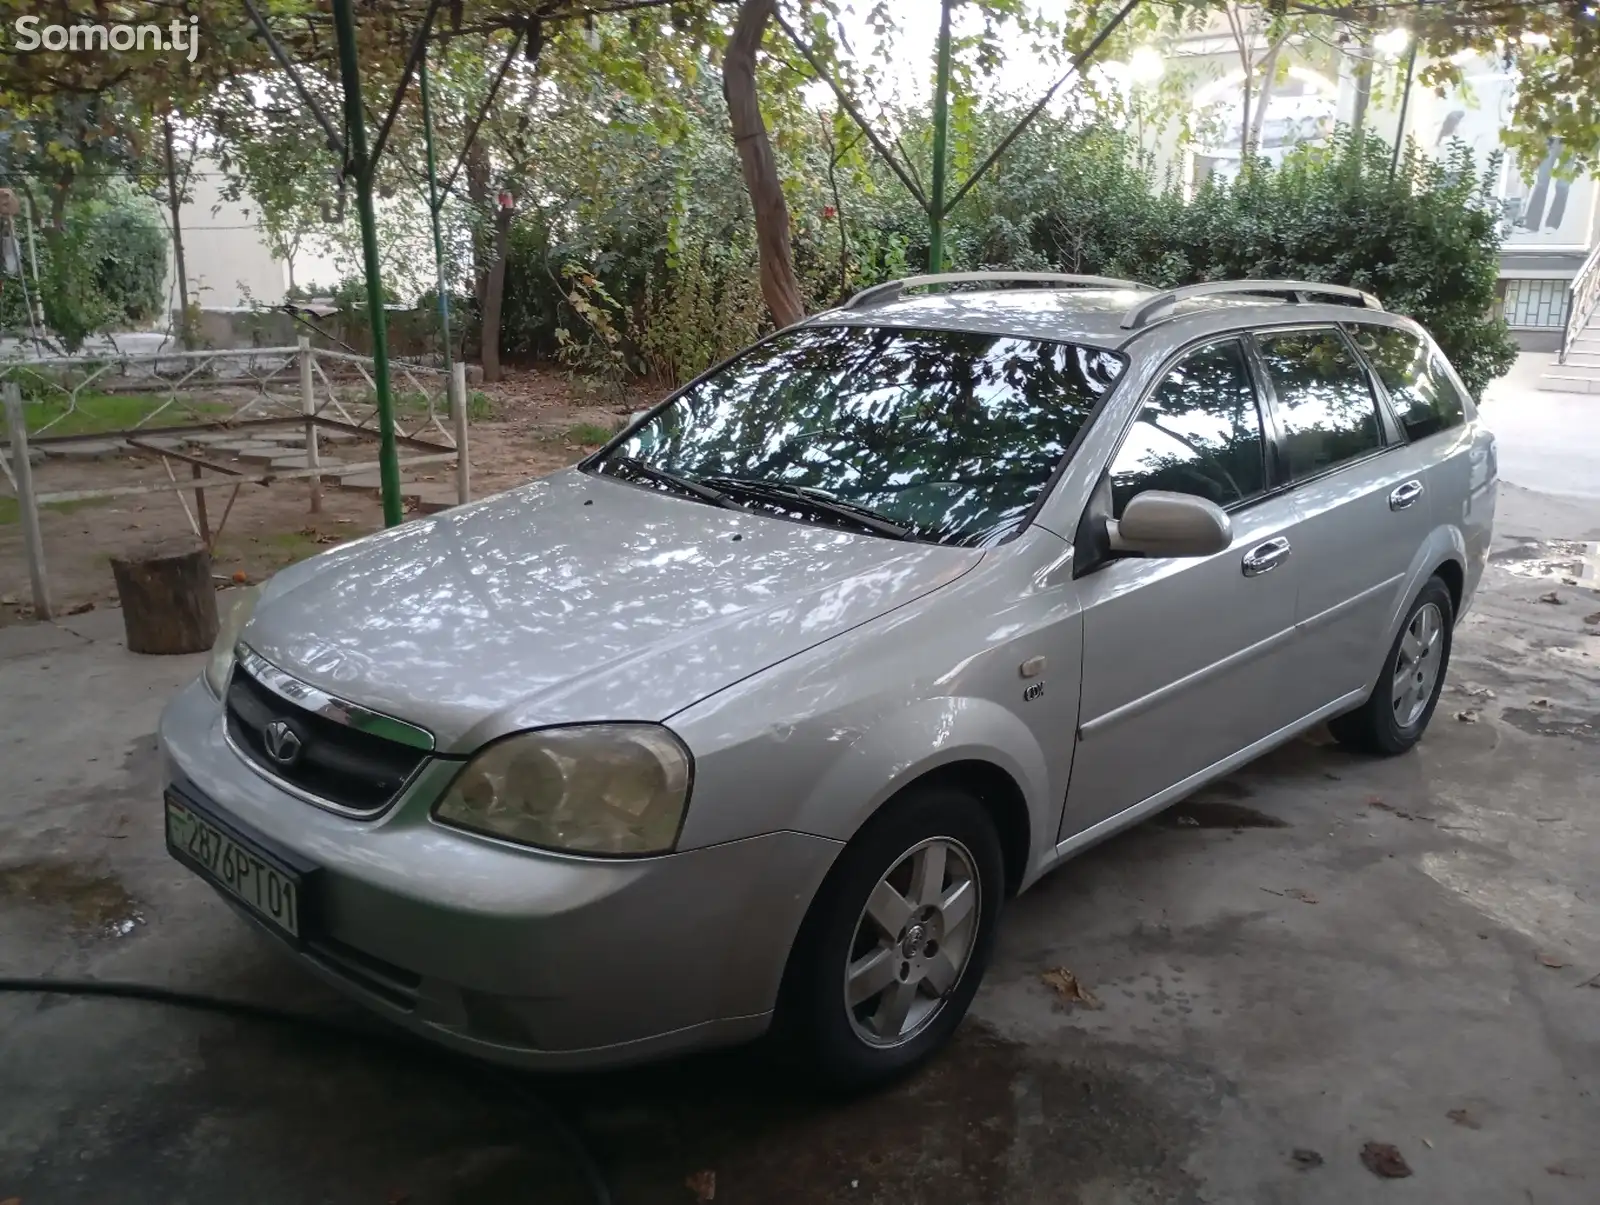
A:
x: 1182, y: 657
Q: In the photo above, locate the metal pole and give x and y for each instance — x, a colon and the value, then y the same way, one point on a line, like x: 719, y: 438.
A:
x: 22, y: 470
x: 458, y: 412
x: 308, y: 407
x: 941, y: 124
x: 344, y: 26
x: 1405, y: 102
x: 435, y: 204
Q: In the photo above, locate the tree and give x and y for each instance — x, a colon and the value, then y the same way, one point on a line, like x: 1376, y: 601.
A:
x: 778, y: 282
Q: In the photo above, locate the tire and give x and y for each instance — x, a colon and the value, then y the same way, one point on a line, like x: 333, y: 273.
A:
x: 1388, y: 724
x: 851, y: 1048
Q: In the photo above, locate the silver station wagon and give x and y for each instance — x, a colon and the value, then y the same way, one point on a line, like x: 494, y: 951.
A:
x: 756, y: 718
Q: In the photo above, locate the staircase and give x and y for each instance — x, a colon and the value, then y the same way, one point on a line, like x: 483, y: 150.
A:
x: 1577, y: 367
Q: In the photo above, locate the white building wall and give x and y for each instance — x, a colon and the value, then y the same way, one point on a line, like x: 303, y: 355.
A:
x: 224, y: 251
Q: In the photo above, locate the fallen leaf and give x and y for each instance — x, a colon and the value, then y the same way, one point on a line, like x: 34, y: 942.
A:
x: 1069, y: 989
x: 1569, y: 581
x: 1554, y: 598
x: 1556, y: 1169
x: 1305, y: 1158
x: 240, y: 576
x: 1467, y: 717
x: 703, y: 1185
x: 1463, y: 1118
x: 1478, y: 692
x: 1551, y: 961
x: 344, y: 520
x: 80, y: 608
x: 1301, y: 894
x: 1384, y: 1159
x: 1542, y: 703
x: 1595, y: 618
x: 1428, y: 1142
x: 1188, y: 822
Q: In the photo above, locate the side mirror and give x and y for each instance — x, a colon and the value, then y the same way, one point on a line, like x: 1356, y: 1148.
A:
x: 1161, y: 523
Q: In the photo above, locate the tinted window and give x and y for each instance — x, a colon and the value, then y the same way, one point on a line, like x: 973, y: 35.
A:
x: 950, y: 433
x: 1199, y: 433
x: 1425, y: 399
x: 1325, y: 406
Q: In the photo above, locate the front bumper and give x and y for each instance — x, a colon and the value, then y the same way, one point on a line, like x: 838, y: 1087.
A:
x: 515, y: 955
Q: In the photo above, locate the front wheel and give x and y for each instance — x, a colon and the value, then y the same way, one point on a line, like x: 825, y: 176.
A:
x: 1394, y: 718
x: 897, y: 940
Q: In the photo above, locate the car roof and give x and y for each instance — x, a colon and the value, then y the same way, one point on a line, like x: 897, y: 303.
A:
x: 1094, y: 316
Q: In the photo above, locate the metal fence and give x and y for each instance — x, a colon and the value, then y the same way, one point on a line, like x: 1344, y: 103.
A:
x: 295, y: 387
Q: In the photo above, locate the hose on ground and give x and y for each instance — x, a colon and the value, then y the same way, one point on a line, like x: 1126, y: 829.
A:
x: 574, y: 1145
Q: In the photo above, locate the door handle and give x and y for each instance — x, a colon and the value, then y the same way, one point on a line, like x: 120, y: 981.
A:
x: 1403, y: 496
x: 1265, y: 557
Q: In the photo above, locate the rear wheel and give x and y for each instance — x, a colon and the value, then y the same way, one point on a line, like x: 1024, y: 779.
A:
x: 897, y: 940
x: 1395, y: 716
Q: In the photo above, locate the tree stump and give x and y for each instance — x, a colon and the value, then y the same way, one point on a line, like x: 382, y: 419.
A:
x: 168, y: 603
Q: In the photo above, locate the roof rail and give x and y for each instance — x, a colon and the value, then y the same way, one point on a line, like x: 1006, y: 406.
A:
x: 892, y: 289
x: 1300, y: 291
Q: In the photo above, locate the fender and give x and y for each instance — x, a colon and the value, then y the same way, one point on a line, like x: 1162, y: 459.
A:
x: 1444, y: 543
x: 910, y: 743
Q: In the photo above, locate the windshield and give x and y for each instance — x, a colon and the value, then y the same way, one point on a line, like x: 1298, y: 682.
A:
x: 947, y: 436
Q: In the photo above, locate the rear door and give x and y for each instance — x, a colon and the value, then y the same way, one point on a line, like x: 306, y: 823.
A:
x: 1363, y: 508
x: 1183, y: 656
x: 1434, y: 413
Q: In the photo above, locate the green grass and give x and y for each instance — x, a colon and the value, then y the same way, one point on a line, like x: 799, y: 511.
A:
x: 589, y: 434
x: 415, y: 402
x: 98, y: 412
x: 11, y: 510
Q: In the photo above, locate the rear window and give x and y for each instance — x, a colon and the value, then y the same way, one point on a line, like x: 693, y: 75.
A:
x: 950, y: 434
x: 1425, y: 399
x: 1326, y: 408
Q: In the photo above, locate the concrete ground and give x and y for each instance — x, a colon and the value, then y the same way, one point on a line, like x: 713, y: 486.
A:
x: 1320, y: 952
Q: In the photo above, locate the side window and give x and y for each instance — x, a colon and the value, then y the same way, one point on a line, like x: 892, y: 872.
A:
x: 1198, y: 433
x: 1326, y: 408
x: 1425, y: 399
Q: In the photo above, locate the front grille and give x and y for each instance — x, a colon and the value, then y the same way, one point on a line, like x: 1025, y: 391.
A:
x: 344, y: 766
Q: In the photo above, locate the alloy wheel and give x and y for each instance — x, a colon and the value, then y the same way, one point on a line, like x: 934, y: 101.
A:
x: 1416, y: 668
x: 913, y: 941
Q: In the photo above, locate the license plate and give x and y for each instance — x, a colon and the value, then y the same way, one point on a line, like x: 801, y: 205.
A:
x: 263, y: 886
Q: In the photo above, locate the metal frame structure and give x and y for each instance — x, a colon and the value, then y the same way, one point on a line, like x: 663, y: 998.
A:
x: 890, y: 290
x: 300, y: 408
x: 1301, y: 291
x: 1582, y: 295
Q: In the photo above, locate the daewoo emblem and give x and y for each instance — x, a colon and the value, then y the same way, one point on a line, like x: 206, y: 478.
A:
x: 282, y: 742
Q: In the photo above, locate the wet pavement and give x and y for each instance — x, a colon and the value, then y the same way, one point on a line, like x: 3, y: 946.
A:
x: 1319, y: 952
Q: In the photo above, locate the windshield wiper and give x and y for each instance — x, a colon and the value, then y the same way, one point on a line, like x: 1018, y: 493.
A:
x: 683, y: 485
x: 812, y: 499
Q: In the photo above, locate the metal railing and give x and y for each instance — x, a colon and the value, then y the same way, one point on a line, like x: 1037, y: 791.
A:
x: 275, y: 397
x: 1297, y: 291
x: 891, y: 289
x: 1581, y: 299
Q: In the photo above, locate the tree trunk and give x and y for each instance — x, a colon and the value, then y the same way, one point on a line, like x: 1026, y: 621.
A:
x: 1269, y: 70
x: 168, y: 603
x: 478, y: 195
x: 175, y: 204
x: 494, y: 291
x: 779, y: 286
x: 1363, y: 81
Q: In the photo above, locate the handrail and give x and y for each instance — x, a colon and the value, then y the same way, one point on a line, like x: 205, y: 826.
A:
x: 1582, y: 295
x: 1299, y: 291
x: 892, y: 289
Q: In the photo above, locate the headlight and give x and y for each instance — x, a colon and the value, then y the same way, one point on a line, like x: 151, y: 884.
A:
x: 593, y: 789
x: 236, y: 607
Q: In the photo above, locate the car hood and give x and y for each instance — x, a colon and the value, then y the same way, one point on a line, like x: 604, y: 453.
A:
x: 576, y: 598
